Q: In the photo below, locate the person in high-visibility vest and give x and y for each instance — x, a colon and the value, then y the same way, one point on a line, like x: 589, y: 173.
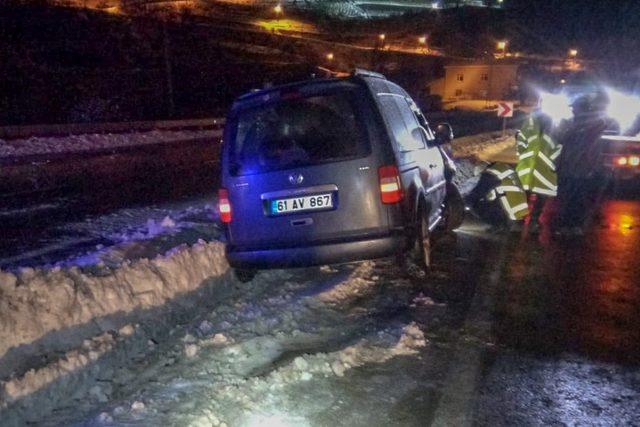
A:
x: 537, y: 157
x: 499, y: 198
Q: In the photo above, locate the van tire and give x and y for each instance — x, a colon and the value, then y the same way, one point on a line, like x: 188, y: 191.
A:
x: 422, y: 251
x: 244, y: 275
x: 454, y: 209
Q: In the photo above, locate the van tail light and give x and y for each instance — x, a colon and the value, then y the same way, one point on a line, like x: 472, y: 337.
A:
x: 390, y: 186
x: 224, y: 205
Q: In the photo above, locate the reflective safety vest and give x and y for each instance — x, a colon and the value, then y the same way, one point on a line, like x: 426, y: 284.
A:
x: 537, y: 155
x: 509, y: 192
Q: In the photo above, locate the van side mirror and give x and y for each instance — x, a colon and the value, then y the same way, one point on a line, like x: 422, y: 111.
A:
x: 443, y: 134
x: 420, y: 134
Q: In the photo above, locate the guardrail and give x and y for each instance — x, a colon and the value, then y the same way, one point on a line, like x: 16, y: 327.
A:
x: 16, y: 132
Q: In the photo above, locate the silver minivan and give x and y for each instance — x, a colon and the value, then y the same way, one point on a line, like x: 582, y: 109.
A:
x: 331, y: 171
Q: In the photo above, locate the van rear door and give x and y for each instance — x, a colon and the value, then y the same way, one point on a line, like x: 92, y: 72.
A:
x: 299, y: 169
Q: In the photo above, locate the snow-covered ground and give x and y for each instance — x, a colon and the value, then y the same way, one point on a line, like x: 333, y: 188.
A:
x: 473, y: 153
x: 92, y: 142
x: 285, y: 329
x: 92, y: 320
x: 112, y: 238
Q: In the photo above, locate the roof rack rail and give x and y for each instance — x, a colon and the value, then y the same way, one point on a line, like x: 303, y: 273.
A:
x: 367, y: 73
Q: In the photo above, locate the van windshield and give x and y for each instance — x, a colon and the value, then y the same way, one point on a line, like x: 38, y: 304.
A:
x: 297, y: 132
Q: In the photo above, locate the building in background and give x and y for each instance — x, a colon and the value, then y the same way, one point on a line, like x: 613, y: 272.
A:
x: 477, y: 81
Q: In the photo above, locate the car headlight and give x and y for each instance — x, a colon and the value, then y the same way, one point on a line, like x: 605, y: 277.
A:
x: 556, y: 106
x: 623, y: 108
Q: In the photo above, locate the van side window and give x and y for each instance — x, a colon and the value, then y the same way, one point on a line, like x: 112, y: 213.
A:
x: 422, y: 120
x: 402, y: 122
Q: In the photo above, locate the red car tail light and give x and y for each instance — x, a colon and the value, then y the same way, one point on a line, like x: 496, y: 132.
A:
x: 390, y: 185
x: 224, y: 205
x: 627, y: 161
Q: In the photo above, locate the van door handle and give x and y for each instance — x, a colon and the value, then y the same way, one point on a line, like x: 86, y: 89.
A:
x: 431, y: 166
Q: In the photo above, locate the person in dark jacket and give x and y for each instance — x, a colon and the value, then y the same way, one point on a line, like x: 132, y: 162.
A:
x: 580, y: 176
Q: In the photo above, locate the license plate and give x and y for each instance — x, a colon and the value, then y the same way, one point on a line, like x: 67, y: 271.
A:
x: 301, y: 204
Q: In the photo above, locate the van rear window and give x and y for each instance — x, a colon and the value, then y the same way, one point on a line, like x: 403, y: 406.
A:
x: 297, y: 131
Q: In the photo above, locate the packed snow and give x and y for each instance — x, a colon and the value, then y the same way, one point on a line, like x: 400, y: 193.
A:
x: 38, y: 306
x: 473, y: 153
x: 484, y: 143
x: 92, y: 142
x: 122, y: 235
x: 266, y: 337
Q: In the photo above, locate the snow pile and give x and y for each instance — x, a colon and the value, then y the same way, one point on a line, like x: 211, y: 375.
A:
x: 471, y: 153
x: 255, y: 398
x: 335, y: 8
x: 388, y: 344
x: 135, y: 233
x: 360, y: 281
x: 422, y: 300
x: 93, y: 142
x: 35, y: 379
x: 341, y: 9
x: 485, y: 143
x: 236, y: 394
x: 37, y: 302
x: 236, y: 364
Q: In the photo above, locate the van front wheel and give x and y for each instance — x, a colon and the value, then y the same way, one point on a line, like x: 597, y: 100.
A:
x: 422, y: 249
x: 454, y: 210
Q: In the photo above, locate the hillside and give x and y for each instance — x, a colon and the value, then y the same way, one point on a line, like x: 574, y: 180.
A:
x: 72, y: 65
x: 76, y: 65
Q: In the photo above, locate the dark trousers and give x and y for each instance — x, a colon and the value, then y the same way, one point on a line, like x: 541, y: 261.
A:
x: 578, y: 199
x: 536, y: 202
x: 490, y: 212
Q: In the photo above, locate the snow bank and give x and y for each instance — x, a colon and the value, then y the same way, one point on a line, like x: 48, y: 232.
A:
x: 485, y: 143
x: 255, y: 401
x: 92, y: 142
x: 335, y: 8
x: 35, y: 379
x: 471, y: 154
x: 36, y: 302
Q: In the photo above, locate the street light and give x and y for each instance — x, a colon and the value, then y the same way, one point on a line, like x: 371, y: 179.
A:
x: 422, y: 39
x: 330, y: 56
x: 573, y: 53
x: 502, y: 48
x: 382, y: 36
x: 277, y: 9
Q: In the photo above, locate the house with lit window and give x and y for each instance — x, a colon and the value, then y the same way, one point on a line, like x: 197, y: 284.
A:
x: 477, y: 81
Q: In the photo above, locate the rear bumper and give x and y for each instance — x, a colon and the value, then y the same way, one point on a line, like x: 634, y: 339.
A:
x: 623, y: 173
x: 304, y: 256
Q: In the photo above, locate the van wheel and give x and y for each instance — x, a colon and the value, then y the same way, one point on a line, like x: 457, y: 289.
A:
x: 245, y: 275
x: 423, y: 244
x: 454, y: 209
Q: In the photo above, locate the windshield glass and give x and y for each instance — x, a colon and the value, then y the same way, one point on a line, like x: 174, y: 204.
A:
x: 297, y: 132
